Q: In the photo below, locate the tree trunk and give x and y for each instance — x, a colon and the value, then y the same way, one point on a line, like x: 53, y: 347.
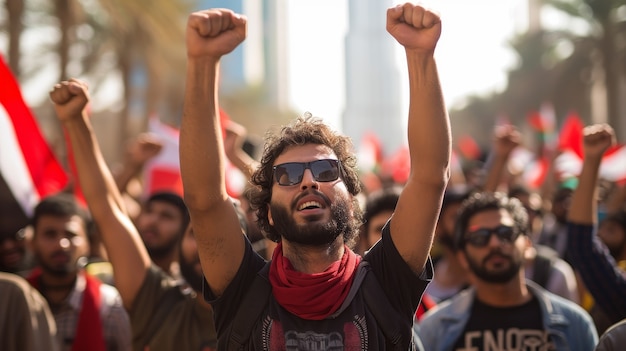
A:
x: 15, y: 10
x: 65, y: 16
x: 612, y: 80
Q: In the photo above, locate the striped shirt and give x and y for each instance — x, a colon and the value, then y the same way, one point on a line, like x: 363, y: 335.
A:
x: 598, y: 269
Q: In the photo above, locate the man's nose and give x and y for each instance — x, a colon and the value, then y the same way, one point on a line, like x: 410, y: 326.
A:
x: 308, y: 181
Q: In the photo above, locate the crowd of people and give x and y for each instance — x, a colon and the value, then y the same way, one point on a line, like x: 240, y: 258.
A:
x: 308, y: 258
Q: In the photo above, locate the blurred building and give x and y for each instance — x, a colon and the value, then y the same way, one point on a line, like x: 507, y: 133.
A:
x: 373, y: 84
x: 262, y: 59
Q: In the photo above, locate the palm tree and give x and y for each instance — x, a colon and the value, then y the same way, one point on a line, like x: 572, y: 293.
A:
x: 138, y: 36
x: 606, y: 34
x: 148, y: 34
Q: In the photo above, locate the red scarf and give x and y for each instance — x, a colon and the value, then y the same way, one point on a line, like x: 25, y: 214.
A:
x: 312, y: 296
x: 89, y: 335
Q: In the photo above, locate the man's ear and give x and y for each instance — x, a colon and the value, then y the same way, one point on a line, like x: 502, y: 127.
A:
x: 528, y: 247
x: 270, y: 219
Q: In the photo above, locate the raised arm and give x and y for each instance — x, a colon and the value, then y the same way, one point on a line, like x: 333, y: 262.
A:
x: 126, y: 251
x: 233, y: 144
x: 413, y: 224
x: 505, y: 139
x: 589, y: 256
x: 210, y: 35
x: 138, y: 152
x: 596, y: 140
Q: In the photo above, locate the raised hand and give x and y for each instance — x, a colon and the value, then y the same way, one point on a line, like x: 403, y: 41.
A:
x: 143, y: 148
x: 597, y: 139
x: 414, y: 27
x: 235, y: 136
x: 505, y: 139
x: 69, y: 98
x: 214, y: 33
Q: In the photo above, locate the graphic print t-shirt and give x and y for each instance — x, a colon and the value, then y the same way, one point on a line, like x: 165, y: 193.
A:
x: 353, y: 329
x: 500, y: 329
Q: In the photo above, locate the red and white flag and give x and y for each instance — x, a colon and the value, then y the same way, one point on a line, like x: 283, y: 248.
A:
x: 162, y: 173
x: 27, y: 164
x: 532, y: 168
x: 370, y: 154
x: 613, y: 167
x: 569, y: 162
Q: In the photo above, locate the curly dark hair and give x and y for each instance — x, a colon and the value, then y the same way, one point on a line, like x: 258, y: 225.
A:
x: 485, y: 201
x: 304, y: 130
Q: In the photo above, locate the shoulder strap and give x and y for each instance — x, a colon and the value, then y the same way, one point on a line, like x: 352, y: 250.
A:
x: 387, y: 318
x: 250, y: 309
x: 169, y: 299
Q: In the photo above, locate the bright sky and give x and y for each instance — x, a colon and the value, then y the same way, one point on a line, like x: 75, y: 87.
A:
x: 472, y: 53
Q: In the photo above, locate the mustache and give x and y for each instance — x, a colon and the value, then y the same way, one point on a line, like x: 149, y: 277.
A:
x: 60, y: 254
x: 151, y: 228
x: 313, y: 192
x: 496, y: 253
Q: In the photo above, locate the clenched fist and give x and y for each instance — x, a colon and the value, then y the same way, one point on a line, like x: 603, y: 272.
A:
x: 214, y: 33
x: 414, y: 27
x: 69, y: 98
x: 597, y: 139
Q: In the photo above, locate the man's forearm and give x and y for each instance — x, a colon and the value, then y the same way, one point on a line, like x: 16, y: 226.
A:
x: 429, y: 127
x: 598, y: 270
x: 201, y: 149
x: 583, y: 208
x: 93, y: 175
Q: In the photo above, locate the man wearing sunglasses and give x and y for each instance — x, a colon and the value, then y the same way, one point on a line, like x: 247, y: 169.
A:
x: 502, y: 311
x: 304, y: 194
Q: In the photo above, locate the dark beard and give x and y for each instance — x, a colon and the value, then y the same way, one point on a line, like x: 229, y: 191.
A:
x: 57, y: 271
x: 313, y: 233
x: 189, y: 273
x: 495, y: 277
x: 157, y: 252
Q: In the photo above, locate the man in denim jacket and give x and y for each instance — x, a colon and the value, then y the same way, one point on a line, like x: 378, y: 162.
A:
x: 502, y: 311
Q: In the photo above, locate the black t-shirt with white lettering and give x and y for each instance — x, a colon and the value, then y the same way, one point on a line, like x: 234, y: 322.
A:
x: 510, y: 328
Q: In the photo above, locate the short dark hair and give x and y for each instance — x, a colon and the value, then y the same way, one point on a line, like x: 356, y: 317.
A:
x: 485, y: 201
x: 452, y: 196
x: 379, y: 201
x: 304, y: 130
x: 60, y: 205
x: 175, y: 200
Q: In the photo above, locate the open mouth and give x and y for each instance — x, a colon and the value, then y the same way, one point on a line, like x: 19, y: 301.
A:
x: 309, y: 205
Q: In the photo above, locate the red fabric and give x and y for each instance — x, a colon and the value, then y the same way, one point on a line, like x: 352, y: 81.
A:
x: 468, y: 147
x: 398, y: 165
x: 425, y: 304
x: 78, y: 192
x: 89, y: 335
x: 165, y: 179
x: 571, y: 135
x: 312, y: 296
x: 162, y: 173
x: 47, y: 174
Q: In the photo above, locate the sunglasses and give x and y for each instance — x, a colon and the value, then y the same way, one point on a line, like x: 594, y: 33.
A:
x: 480, y: 237
x: 291, y: 173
